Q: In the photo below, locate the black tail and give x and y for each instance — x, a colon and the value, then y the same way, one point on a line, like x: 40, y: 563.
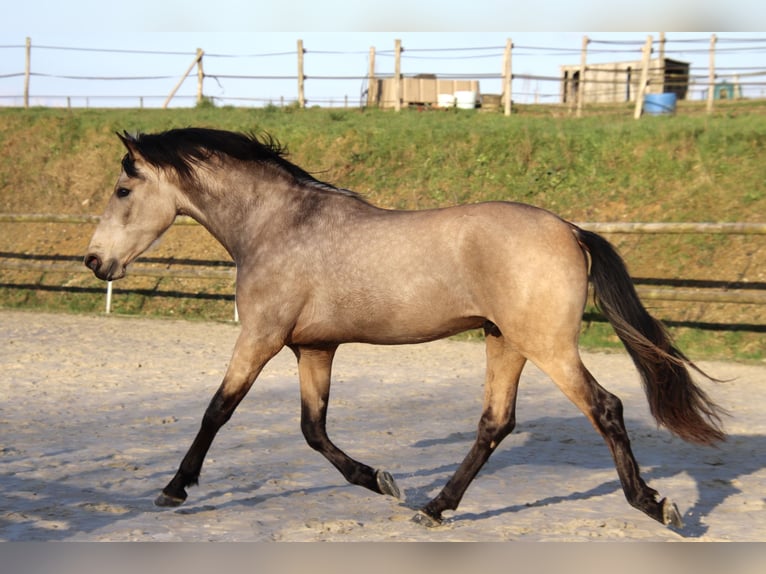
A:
x: 675, y: 400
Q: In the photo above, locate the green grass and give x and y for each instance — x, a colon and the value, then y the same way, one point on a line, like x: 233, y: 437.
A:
x: 420, y: 159
x: 598, y: 168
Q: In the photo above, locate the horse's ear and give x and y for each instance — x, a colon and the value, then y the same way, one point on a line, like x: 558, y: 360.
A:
x: 130, y: 142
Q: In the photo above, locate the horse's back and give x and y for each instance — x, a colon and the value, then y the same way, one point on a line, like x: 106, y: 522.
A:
x: 519, y: 238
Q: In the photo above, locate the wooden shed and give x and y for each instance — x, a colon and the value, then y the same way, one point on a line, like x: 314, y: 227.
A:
x: 619, y: 81
x: 420, y: 90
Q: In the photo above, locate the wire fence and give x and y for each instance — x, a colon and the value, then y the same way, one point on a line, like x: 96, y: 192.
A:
x: 598, y: 73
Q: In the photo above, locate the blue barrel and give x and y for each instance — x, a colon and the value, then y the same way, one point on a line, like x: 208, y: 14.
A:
x: 656, y: 104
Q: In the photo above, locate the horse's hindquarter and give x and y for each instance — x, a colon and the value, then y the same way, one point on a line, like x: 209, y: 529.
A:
x: 402, y: 277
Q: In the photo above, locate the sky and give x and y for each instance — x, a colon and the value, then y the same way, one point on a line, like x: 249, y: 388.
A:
x: 158, y: 39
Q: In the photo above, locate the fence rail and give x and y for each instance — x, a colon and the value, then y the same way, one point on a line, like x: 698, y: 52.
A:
x: 738, y: 293
x: 738, y: 228
x: 716, y: 228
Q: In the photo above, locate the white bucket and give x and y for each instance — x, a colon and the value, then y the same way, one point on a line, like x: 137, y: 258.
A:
x: 446, y: 100
x: 466, y: 100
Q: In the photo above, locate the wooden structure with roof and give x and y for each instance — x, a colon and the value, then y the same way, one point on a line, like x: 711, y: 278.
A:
x: 619, y: 81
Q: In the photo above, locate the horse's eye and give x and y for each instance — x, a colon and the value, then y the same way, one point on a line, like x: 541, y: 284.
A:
x: 123, y: 192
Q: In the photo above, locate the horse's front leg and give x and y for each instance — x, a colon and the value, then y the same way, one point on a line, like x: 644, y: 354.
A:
x: 314, y: 369
x: 246, y: 363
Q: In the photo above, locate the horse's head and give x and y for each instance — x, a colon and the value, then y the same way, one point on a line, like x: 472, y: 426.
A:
x: 141, y: 209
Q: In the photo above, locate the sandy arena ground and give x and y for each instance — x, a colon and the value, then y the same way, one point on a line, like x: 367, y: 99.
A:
x: 96, y: 413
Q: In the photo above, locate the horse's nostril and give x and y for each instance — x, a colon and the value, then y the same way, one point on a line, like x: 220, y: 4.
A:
x: 92, y: 262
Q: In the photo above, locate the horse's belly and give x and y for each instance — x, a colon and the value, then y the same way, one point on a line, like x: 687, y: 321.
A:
x: 382, y: 334
x: 385, y: 321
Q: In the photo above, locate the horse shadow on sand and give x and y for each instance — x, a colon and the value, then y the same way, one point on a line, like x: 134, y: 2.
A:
x: 51, y: 509
x: 74, y: 508
x: 715, y: 470
x: 81, y: 510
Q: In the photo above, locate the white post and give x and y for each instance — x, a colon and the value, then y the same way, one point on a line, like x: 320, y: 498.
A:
x: 108, y: 297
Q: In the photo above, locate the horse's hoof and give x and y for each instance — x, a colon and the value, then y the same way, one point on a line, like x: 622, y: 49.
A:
x: 426, y: 520
x: 387, y: 484
x: 165, y: 500
x: 670, y: 514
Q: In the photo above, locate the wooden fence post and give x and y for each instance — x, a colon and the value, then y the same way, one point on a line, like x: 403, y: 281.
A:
x: 200, y: 75
x: 372, y: 87
x: 397, y: 75
x: 645, y: 61
x: 197, y: 59
x: 27, y: 71
x: 711, y: 78
x: 581, y: 79
x: 301, y: 77
x: 507, y: 78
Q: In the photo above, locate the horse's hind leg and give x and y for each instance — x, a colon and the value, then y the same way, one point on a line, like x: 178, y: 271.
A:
x: 504, y: 366
x: 314, y: 369
x: 604, y: 410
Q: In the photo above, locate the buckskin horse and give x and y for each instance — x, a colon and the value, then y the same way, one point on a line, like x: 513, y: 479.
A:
x: 318, y: 266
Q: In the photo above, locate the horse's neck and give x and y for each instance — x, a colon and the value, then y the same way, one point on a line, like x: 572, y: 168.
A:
x: 223, y: 203
x: 239, y: 207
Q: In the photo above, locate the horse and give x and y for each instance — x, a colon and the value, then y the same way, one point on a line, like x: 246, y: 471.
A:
x: 318, y: 266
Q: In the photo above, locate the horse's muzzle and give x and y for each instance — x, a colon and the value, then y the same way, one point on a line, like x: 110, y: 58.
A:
x: 94, y: 263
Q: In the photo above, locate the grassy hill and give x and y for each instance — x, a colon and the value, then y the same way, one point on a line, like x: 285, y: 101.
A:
x: 683, y: 168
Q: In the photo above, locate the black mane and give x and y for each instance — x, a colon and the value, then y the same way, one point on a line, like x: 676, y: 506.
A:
x: 184, y: 149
